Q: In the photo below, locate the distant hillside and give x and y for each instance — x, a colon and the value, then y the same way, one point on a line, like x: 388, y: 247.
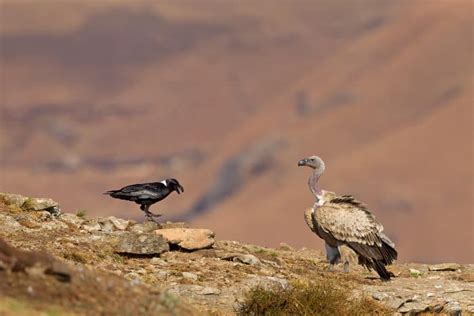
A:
x: 227, y: 97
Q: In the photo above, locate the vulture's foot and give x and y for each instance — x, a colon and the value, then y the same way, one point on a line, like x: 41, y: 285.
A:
x: 331, y: 267
x: 346, y: 267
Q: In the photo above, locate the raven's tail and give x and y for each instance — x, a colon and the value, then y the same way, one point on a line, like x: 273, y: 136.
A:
x: 111, y: 192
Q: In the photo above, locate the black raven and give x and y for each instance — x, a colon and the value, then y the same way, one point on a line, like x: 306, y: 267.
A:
x: 147, y: 194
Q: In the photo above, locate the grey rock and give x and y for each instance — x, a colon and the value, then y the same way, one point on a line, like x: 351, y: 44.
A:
x: 242, y: 258
x: 143, y: 244
x: 445, y: 267
x: 413, y: 307
x: 72, y: 219
x: 145, y: 227
x: 395, y: 302
x: 173, y: 225
x: 32, y: 204
x: 91, y: 226
x: 266, y: 282
x: 379, y: 296
x: 210, y: 291
x: 190, y: 276
x: 163, y: 275
x: 158, y: 261
x: 119, y: 223
x: 45, y: 216
x: 453, y: 308
x: 106, y: 225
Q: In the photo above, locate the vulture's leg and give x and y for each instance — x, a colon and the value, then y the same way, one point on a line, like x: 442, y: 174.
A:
x: 346, y: 266
x: 332, y: 255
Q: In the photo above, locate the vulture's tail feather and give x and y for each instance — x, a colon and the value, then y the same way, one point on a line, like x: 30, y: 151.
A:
x: 381, y: 270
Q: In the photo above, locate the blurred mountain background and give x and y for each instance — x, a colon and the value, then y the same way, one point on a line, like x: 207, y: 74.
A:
x: 228, y: 96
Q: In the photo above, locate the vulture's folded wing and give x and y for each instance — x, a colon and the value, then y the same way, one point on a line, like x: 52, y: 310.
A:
x: 349, y: 220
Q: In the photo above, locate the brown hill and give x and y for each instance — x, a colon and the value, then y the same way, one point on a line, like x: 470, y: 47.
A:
x: 227, y: 97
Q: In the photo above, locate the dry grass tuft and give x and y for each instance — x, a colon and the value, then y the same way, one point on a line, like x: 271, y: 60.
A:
x: 315, y: 298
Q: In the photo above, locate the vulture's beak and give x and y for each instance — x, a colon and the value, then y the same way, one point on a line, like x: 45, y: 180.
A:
x: 180, y: 187
x: 302, y: 162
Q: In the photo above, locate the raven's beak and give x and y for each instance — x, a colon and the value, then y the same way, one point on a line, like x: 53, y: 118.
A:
x: 302, y: 162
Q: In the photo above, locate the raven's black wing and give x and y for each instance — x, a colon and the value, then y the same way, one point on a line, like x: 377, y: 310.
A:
x: 141, y: 191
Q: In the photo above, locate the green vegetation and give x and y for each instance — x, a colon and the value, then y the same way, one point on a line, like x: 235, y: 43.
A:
x: 28, y: 204
x: 313, y: 298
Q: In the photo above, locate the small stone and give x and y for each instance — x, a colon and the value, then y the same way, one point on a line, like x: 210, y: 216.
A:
x: 395, y: 302
x: 379, y: 296
x: 106, y: 225
x: 453, y: 308
x: 210, y: 291
x: 158, y: 261
x: 413, y: 307
x: 91, y: 226
x: 415, y: 273
x: 145, y: 244
x: 174, y: 225
x: 72, y: 219
x: 119, y: 223
x: 242, y: 258
x: 188, y: 238
x: 45, y: 216
x: 163, y: 275
x: 144, y: 227
x: 190, y: 276
x: 445, y: 267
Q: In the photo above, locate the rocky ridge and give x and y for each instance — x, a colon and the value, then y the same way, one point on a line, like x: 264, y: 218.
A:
x: 171, y: 268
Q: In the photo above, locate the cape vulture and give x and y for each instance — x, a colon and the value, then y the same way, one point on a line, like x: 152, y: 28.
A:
x: 345, y: 221
x: 147, y: 194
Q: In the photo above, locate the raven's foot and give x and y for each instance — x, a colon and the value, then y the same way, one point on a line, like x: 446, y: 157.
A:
x: 154, y: 215
x: 151, y: 217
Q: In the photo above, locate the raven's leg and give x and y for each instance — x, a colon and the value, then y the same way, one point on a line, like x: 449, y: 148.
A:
x: 149, y: 215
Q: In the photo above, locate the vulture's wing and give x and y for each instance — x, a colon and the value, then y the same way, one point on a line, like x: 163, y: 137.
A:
x: 349, y: 221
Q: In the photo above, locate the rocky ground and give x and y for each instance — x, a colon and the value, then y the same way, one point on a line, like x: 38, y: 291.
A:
x: 71, y: 264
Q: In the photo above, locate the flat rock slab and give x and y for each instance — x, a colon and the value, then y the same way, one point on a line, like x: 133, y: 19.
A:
x: 242, y: 258
x: 142, y: 244
x: 445, y: 267
x: 188, y: 238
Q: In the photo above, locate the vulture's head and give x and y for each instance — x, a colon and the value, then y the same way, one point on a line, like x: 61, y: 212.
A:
x: 314, y: 162
x: 174, y: 185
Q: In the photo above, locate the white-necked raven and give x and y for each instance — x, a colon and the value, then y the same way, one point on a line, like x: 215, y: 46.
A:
x: 147, y: 194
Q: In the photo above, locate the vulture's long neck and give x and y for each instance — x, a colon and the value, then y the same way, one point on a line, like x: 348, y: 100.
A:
x: 314, y: 185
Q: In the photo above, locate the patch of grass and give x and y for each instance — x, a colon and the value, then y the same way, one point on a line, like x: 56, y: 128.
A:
x: 11, y: 306
x: 82, y: 213
x: 313, y: 298
x: 28, y: 204
x: 76, y: 257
